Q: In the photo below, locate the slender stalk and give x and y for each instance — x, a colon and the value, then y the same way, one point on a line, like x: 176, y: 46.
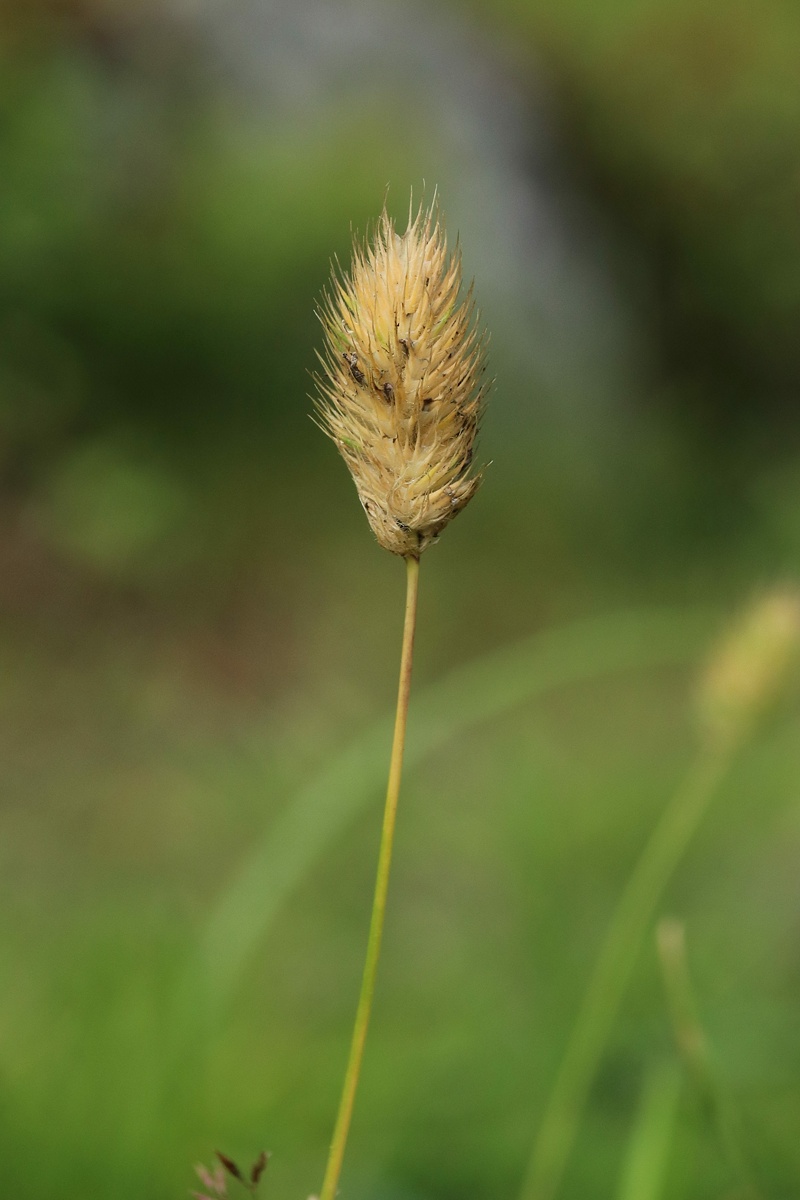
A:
x: 614, y: 965
x: 691, y: 1040
x: 344, y: 1116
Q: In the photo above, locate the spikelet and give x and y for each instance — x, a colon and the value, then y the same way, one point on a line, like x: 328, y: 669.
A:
x: 400, y: 393
x: 749, y: 667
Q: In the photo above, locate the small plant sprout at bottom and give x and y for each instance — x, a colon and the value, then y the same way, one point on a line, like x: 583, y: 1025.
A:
x: 216, y: 1181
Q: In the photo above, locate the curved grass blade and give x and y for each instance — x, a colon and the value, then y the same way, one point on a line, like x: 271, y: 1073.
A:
x: 486, y: 688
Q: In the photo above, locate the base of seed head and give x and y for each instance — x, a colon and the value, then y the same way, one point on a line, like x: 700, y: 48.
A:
x: 400, y: 393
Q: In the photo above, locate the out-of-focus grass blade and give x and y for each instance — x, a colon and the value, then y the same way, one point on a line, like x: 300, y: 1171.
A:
x: 644, y: 1169
x: 479, y: 691
x: 743, y: 676
x: 692, y: 1043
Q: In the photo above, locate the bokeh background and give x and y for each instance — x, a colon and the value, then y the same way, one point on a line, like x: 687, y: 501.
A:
x: 196, y: 623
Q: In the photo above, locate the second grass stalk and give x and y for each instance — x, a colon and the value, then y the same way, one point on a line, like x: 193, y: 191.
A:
x: 353, y: 1072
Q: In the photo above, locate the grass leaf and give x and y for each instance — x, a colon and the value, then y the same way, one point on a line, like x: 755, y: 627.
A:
x: 470, y: 695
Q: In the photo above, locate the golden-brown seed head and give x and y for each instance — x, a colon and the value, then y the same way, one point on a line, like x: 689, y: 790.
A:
x: 400, y: 392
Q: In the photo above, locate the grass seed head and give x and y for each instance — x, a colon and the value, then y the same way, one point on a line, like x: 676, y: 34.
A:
x: 749, y: 667
x: 400, y: 392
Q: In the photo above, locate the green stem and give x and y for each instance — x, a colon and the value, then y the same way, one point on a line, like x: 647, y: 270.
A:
x: 615, y: 963
x: 345, y: 1114
x: 693, y: 1046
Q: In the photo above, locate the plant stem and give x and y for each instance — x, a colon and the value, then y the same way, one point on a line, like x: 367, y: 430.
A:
x: 614, y: 965
x: 344, y: 1116
x: 692, y: 1043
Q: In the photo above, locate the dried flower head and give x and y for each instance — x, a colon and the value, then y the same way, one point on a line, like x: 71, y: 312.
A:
x: 400, y: 394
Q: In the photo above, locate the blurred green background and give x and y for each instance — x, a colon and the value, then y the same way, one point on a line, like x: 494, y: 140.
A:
x: 196, y: 621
